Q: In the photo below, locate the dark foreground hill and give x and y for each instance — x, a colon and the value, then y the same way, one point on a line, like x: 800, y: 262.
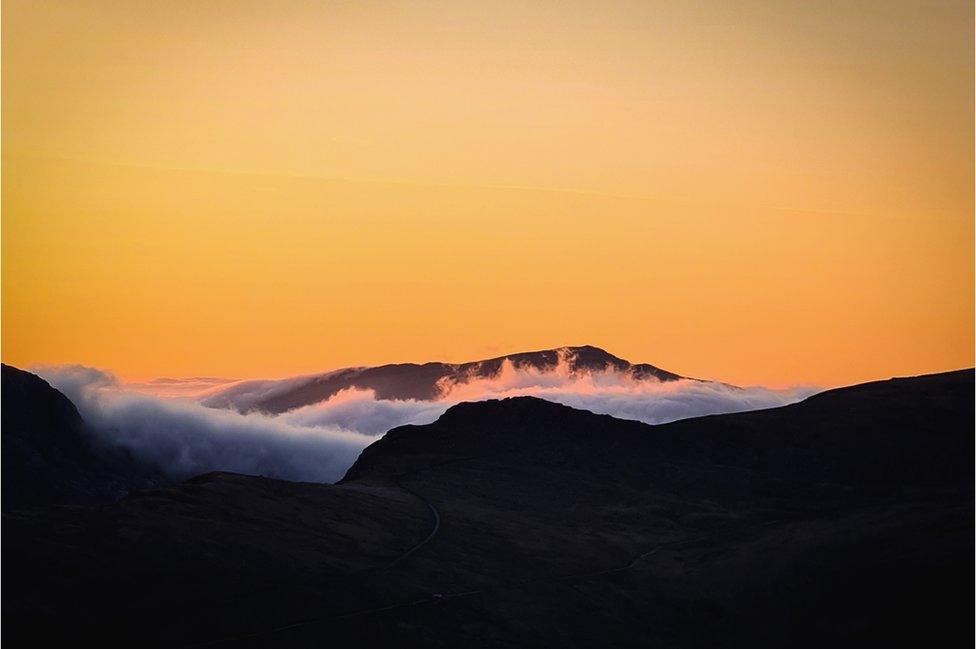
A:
x: 417, y: 381
x: 845, y: 520
x: 48, y: 458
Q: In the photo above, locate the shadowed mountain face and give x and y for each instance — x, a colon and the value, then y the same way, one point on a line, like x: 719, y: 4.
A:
x: 844, y: 520
x: 412, y: 381
x: 48, y: 458
x: 849, y: 435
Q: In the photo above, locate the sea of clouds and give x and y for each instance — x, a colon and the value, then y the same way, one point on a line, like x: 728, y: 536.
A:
x: 184, y: 438
x: 164, y: 422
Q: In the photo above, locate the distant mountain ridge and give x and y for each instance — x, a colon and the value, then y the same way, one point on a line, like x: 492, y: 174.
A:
x: 418, y: 381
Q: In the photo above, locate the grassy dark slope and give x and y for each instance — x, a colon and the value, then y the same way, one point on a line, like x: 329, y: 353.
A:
x: 845, y: 520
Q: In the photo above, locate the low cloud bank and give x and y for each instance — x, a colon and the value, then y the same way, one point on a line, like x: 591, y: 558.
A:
x: 621, y: 395
x: 184, y: 438
x: 607, y: 392
x: 244, y: 396
x: 190, y: 388
x: 361, y: 411
x: 319, y: 442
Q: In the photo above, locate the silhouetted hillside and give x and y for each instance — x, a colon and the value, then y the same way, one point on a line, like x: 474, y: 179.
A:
x: 842, y: 521
x: 859, y: 436
x: 48, y: 458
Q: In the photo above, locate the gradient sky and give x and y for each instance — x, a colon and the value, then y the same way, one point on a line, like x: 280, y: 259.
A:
x: 761, y: 192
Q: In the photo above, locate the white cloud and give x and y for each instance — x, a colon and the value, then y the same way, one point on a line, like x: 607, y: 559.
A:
x: 319, y: 442
x: 184, y: 438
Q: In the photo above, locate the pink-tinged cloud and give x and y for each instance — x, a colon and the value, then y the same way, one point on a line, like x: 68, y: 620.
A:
x: 319, y: 442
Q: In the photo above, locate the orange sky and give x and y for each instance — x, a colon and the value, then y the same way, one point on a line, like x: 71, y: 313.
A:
x: 760, y: 192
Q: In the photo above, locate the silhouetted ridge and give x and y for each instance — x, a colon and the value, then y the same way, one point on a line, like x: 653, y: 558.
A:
x: 899, y: 431
x: 422, y: 382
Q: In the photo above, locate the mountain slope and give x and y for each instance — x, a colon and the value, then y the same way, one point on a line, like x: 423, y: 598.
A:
x: 48, y: 457
x: 845, y: 520
x: 413, y: 381
x: 857, y: 435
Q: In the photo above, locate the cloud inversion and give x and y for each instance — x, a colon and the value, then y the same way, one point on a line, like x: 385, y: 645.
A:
x: 184, y: 438
x: 319, y: 442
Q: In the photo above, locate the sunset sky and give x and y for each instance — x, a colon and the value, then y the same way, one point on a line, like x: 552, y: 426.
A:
x: 759, y: 191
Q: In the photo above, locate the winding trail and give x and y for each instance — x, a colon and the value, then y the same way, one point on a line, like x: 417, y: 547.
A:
x: 437, y: 598
x: 433, y: 511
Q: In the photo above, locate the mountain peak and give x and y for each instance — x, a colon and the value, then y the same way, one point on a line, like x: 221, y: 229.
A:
x: 400, y: 381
